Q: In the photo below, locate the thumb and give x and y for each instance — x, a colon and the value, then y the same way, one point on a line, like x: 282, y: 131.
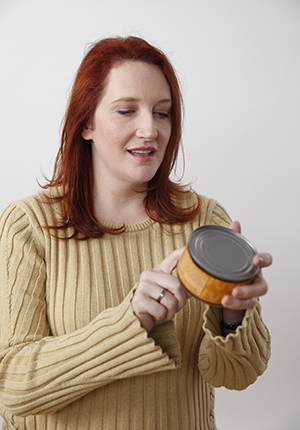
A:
x: 170, y: 262
x: 236, y: 226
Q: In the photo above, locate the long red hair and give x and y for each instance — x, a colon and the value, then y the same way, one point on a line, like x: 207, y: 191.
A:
x: 73, y: 165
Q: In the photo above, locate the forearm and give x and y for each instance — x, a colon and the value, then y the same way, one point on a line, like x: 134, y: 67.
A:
x: 55, y: 371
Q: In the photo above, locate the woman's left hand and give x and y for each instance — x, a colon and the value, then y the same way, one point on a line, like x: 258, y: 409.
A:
x: 244, y: 297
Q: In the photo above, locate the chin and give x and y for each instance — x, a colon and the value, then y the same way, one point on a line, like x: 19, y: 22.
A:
x: 145, y: 178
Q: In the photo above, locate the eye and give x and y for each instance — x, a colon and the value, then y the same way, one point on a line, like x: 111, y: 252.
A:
x: 125, y: 111
x: 162, y: 114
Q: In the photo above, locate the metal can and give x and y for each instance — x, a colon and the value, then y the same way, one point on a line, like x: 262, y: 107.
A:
x: 216, y: 260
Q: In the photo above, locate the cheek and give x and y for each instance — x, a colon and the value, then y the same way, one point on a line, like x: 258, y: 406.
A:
x: 117, y: 134
x: 166, y: 134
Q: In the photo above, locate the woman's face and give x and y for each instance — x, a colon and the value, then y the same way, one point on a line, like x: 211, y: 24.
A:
x: 131, y: 126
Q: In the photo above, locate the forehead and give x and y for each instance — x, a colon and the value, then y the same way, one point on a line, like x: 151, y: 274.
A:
x: 132, y: 77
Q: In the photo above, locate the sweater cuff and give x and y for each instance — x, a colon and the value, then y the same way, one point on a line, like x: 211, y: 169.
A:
x: 212, y: 319
x: 165, y: 337
x: 234, y: 361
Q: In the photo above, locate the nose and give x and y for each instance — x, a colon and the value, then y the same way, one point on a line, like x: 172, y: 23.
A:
x: 146, y: 128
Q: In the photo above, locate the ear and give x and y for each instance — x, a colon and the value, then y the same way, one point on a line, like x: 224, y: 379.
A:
x: 86, y: 133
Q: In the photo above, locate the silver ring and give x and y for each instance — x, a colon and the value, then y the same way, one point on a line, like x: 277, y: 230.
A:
x: 159, y: 298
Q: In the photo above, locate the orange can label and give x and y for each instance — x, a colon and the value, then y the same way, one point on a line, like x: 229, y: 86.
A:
x: 200, y: 284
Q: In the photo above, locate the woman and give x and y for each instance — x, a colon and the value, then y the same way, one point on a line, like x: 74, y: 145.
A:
x: 96, y: 331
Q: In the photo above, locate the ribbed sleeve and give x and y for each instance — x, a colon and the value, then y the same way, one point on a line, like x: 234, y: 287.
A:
x: 237, y: 360
x: 42, y: 373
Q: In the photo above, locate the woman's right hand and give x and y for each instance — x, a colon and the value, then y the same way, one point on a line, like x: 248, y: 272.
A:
x: 152, y: 283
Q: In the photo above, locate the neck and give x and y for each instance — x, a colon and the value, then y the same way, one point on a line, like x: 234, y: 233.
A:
x: 119, y: 206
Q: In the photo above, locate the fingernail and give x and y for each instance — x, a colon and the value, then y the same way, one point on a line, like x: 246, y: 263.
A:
x: 237, y: 292
x: 227, y: 300
x: 258, y: 260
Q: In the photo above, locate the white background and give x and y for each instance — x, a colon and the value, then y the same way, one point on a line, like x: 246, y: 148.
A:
x: 239, y: 64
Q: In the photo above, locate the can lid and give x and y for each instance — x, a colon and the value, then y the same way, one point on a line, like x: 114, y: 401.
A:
x: 223, y: 253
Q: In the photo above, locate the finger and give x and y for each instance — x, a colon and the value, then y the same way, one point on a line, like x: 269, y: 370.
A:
x: 262, y: 259
x: 159, y: 311
x: 171, y: 261
x: 147, y: 321
x: 153, y: 282
x: 243, y: 297
x: 236, y: 226
x: 147, y: 309
x: 170, y: 304
x: 231, y: 302
x: 250, y: 291
x: 169, y: 301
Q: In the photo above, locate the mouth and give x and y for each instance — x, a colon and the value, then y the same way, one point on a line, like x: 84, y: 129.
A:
x: 141, y: 152
x: 144, y: 153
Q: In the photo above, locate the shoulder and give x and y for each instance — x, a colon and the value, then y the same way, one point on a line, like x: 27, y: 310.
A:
x: 27, y: 216
x: 18, y: 229
x: 35, y: 207
x: 210, y: 210
x: 17, y: 212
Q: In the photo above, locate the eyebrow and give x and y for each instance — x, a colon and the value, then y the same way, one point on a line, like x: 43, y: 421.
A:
x: 132, y: 99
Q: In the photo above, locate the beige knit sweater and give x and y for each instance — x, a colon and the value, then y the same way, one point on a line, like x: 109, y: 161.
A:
x: 74, y: 356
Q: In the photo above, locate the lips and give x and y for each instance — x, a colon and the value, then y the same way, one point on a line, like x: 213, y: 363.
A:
x: 139, y: 152
x: 142, y: 151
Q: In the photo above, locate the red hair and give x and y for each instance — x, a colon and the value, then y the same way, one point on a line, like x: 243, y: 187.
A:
x: 73, y: 165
